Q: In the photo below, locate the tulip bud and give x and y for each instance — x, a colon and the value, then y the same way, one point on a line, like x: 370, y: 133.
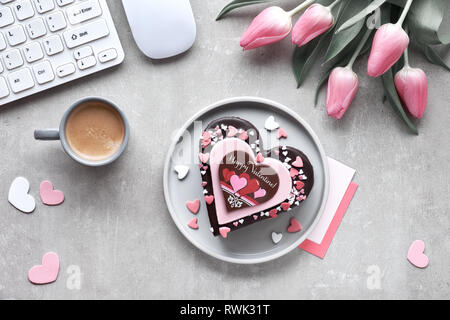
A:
x: 412, y: 87
x: 342, y: 88
x: 316, y: 20
x: 388, y: 45
x: 271, y: 25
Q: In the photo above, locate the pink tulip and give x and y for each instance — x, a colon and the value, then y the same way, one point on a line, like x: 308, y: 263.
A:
x: 316, y: 20
x: 388, y: 45
x: 342, y: 88
x: 412, y: 87
x: 271, y: 25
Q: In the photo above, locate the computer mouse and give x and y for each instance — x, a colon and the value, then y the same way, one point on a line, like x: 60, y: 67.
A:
x: 161, y: 28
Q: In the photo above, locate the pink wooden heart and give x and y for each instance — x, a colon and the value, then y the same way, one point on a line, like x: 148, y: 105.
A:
x: 49, y: 196
x: 47, y: 272
x: 416, y: 254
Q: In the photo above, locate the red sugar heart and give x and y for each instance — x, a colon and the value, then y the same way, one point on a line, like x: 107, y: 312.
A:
x: 285, y: 206
x: 193, y: 206
x: 299, y: 185
x: 294, y: 226
x: 273, y: 213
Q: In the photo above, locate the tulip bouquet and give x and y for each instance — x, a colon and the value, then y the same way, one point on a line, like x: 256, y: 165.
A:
x: 352, y: 28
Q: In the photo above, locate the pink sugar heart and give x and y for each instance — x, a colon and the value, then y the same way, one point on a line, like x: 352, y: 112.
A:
x: 255, y: 217
x: 236, y: 223
x: 47, y: 272
x: 224, y: 232
x: 416, y: 254
x: 238, y: 183
x: 209, y: 199
x: 298, y: 163
x: 259, y: 158
x: 49, y: 196
x: 232, y: 131
x: 281, y: 134
x: 204, y: 183
x: 193, y: 206
x: 243, y: 136
x: 294, y: 226
x: 204, y: 157
x: 261, y: 193
x: 293, y: 172
x: 193, y: 224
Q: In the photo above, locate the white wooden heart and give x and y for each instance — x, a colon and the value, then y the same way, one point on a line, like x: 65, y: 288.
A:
x: 18, y: 195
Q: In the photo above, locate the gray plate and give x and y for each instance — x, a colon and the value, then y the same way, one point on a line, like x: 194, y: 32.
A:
x: 252, y: 244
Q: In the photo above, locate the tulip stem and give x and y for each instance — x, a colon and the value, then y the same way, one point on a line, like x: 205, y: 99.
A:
x: 404, y: 13
x: 359, y: 48
x: 331, y: 6
x: 406, y: 56
x: 299, y: 8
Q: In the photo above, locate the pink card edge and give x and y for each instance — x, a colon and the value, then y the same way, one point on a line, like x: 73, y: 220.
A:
x: 320, y: 250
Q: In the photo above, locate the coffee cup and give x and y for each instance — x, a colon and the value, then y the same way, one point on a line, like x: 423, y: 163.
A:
x: 94, y: 132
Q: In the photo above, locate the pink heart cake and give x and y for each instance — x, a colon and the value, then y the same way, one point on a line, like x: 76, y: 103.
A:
x: 246, y: 183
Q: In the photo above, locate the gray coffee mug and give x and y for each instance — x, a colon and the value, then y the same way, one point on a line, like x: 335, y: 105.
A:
x: 60, y: 134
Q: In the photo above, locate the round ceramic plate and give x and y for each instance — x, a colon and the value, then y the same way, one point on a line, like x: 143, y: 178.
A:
x: 252, y: 244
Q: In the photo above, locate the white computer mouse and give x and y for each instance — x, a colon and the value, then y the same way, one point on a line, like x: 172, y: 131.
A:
x: 161, y: 28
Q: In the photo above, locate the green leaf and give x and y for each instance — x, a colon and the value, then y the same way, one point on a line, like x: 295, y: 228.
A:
x: 433, y: 56
x: 342, y: 39
x: 361, y: 15
x: 425, y: 19
x: 237, y: 4
x: 305, y: 56
x: 394, y: 100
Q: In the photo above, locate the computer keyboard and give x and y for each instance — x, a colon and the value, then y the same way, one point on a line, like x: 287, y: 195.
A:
x: 45, y: 43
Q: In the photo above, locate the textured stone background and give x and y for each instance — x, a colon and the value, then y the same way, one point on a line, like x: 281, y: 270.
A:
x: 115, y: 226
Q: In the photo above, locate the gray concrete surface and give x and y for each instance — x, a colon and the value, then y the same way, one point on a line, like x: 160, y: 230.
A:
x: 114, y: 226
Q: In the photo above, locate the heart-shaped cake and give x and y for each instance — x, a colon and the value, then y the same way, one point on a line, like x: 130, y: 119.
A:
x: 247, y: 183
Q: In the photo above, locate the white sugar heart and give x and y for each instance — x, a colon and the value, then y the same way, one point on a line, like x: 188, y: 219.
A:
x: 276, y: 237
x: 18, y: 195
x: 271, y: 124
x: 241, y: 221
x: 182, y: 171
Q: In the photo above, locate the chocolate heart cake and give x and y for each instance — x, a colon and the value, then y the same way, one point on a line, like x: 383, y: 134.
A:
x: 242, y: 182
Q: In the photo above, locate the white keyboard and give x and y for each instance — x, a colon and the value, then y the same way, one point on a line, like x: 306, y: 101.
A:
x: 45, y: 43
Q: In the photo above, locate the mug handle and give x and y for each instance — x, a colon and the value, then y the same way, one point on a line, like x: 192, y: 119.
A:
x: 47, y: 134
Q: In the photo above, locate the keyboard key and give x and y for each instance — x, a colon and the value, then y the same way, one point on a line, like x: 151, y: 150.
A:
x: 87, y: 33
x: 4, y: 90
x: 107, y: 55
x: 13, y: 59
x: 21, y: 80
x: 23, y: 9
x: 86, y: 63
x: 16, y: 35
x: 43, y: 72
x: 63, y: 3
x: 56, y: 21
x: 33, y: 52
x: 6, y: 17
x: 65, y: 70
x: 36, y: 28
x: 2, y: 42
x: 53, y: 45
x: 83, y: 52
x: 84, y: 11
x: 43, y: 6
